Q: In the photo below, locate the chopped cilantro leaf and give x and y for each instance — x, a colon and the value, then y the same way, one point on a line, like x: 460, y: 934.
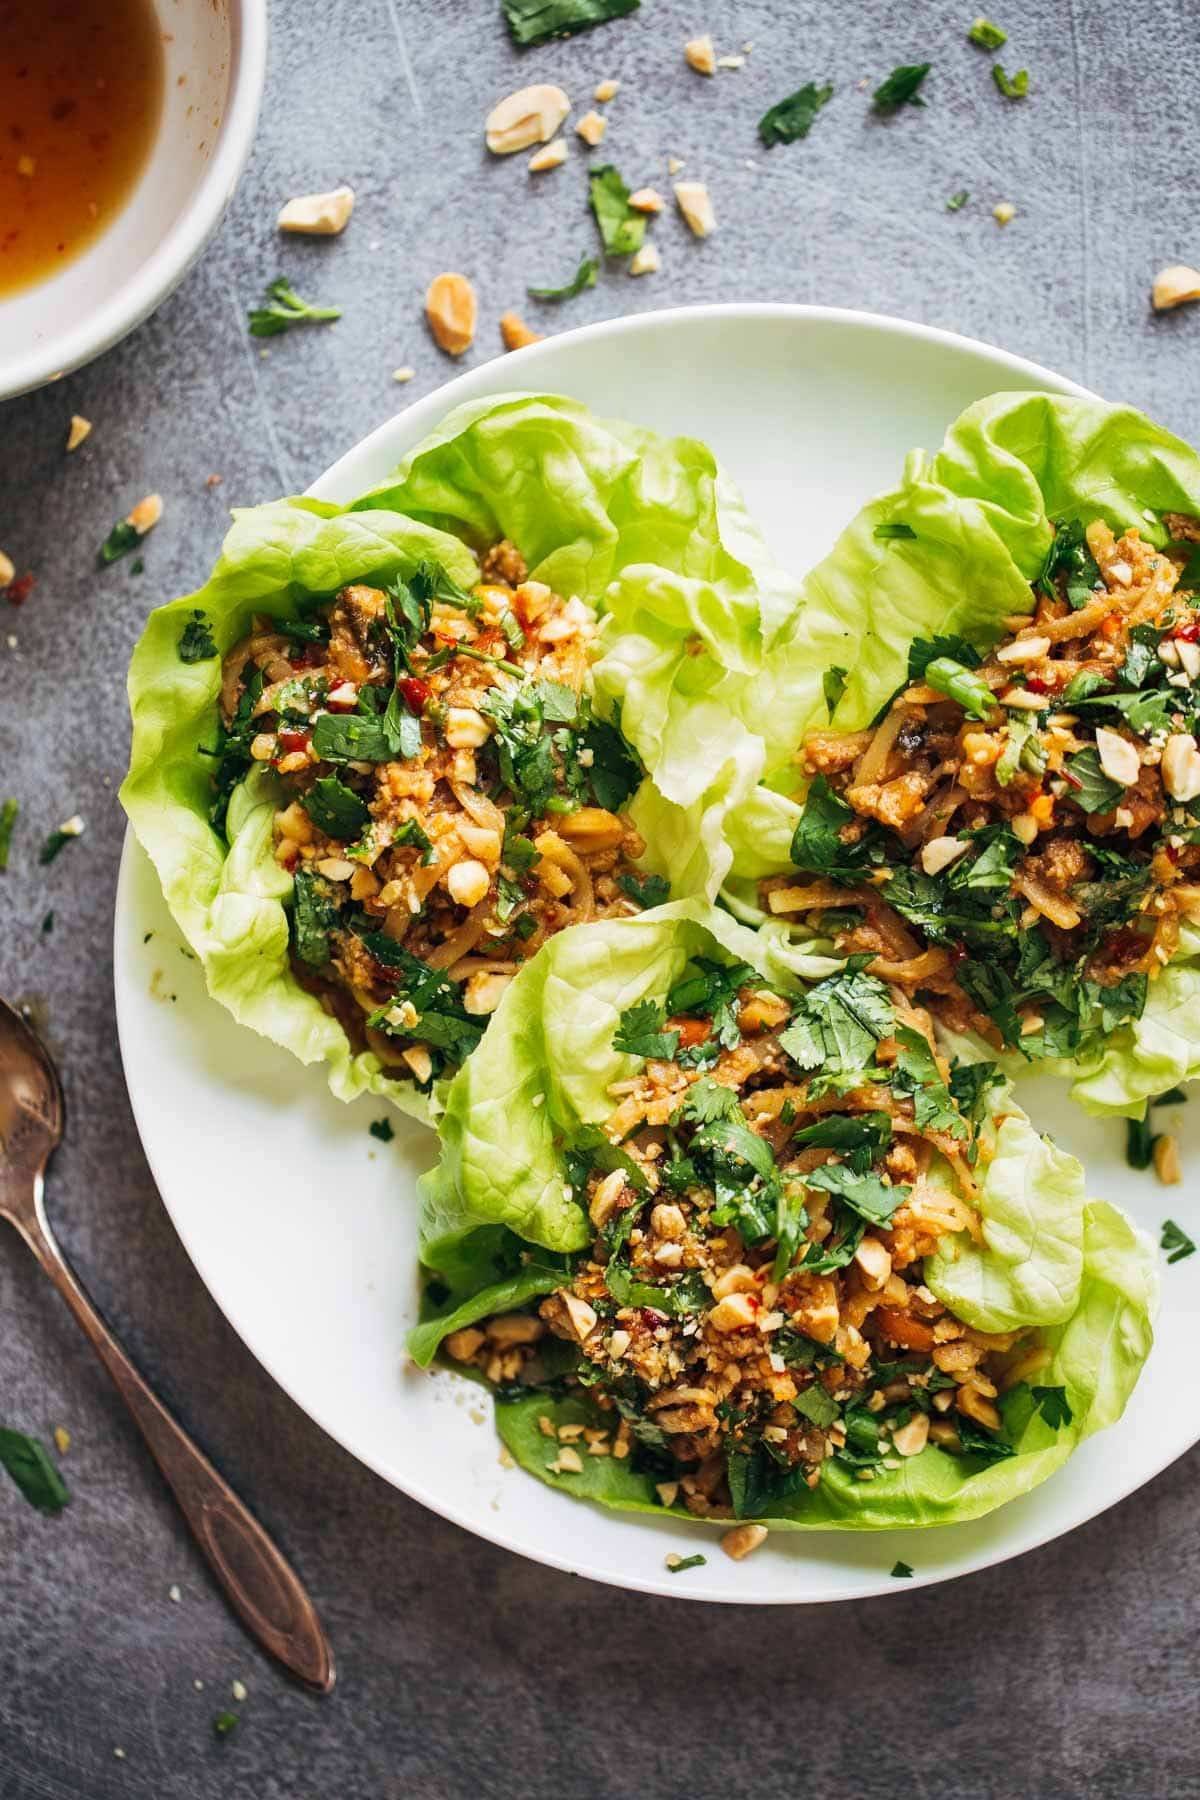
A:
x: 196, y: 641
x: 793, y: 118
x: 950, y: 677
x: 120, y: 541
x: 335, y: 809
x: 901, y: 1571
x: 1054, y: 1406
x: 818, y: 1406
x: 381, y: 1129
x: 1069, y: 556
x: 413, y: 837
x: 533, y: 21
x: 28, y: 1462
x: 1175, y: 1241
x: 621, y: 228
x: 833, y: 686
x: 647, y: 890
x: 284, y: 309
x: 710, y: 990
x: 56, y: 841
x: 867, y: 1194
x: 838, y: 1022
x: 314, y: 914
x: 583, y: 278
x: 640, y: 1032
x: 8, y: 819
x: 1091, y: 788
x: 900, y: 88
x: 893, y: 528
x: 225, y: 1723
x: 917, y: 1072
x: 707, y: 1101
x: 818, y: 843
x: 957, y: 201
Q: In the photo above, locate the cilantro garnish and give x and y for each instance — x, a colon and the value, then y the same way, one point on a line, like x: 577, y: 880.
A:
x: 1175, y: 1241
x: 314, y: 914
x: 866, y: 1194
x: 833, y: 686
x: 120, y: 541
x: 196, y: 641
x: 583, y: 278
x: 917, y: 1073
x: 381, y: 1129
x: 28, y: 1462
x: 901, y: 1571
x: 1069, y: 557
x: 793, y: 118
x: 8, y: 819
x: 710, y: 990
x: 957, y: 201
x: 442, y: 1021
x: 533, y: 21
x: 900, y: 88
x: 647, y: 890
x: 923, y: 651
x: 640, y: 1032
x: 284, y: 309
x: 225, y: 1723
x: 1090, y: 786
x: 838, y: 1023
x: 621, y: 228
x: 335, y: 809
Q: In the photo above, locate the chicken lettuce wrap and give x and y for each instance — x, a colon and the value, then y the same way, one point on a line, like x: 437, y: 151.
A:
x: 991, y: 785
x: 734, y: 1244
x: 368, y: 760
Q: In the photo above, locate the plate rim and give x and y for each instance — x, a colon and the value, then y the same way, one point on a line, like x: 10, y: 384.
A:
x: 412, y: 418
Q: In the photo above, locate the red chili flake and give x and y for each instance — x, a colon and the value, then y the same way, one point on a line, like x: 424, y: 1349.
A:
x: 294, y: 740
x: 1036, y: 685
x: 415, y: 691
x: 650, y: 1318
x: 1070, y: 777
x: 17, y: 592
x: 1189, y: 633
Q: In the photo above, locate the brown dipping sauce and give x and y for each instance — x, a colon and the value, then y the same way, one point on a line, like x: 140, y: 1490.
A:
x: 81, y: 87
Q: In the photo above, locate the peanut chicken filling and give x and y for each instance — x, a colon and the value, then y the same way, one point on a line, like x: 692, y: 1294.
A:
x: 754, y: 1305
x: 447, y: 798
x: 1017, y: 840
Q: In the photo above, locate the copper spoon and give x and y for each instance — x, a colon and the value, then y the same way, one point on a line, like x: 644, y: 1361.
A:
x: 263, y: 1589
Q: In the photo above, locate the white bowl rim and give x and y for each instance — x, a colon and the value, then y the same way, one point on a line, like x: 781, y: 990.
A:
x: 169, y: 262
x: 439, y: 403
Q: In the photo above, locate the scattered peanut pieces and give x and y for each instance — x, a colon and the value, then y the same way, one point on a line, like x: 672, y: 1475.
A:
x: 591, y: 128
x: 78, y: 430
x: 644, y: 261
x: 674, y: 164
x: 450, y: 308
x: 8, y: 571
x: 743, y: 1539
x: 530, y: 116
x: 1175, y: 286
x: 696, y: 206
x: 698, y: 53
x: 605, y: 91
x: 646, y: 200
x: 404, y: 374
x: 62, y: 1439
x: 1004, y: 213
x: 213, y: 481
x: 1167, y: 1164
x: 516, y: 333
x: 318, y: 215
x: 731, y: 62
x: 552, y: 157
x: 146, y: 514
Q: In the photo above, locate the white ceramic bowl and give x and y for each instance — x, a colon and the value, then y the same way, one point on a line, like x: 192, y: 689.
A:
x: 214, y: 65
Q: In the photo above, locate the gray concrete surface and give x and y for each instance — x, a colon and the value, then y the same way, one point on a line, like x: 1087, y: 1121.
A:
x: 463, y: 1670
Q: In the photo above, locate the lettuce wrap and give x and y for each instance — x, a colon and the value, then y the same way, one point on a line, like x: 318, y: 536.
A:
x: 509, y: 1213
x: 587, y: 503
x: 945, y: 559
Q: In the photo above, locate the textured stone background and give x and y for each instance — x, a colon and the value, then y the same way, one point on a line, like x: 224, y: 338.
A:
x: 463, y: 1670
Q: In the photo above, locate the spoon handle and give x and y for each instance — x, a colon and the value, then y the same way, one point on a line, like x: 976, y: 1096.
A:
x: 261, y: 1586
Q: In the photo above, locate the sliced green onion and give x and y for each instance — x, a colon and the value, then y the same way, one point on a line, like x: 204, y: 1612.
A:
x: 959, y: 683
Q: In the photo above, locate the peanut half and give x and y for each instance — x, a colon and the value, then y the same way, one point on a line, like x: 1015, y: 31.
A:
x: 450, y: 308
x: 530, y: 116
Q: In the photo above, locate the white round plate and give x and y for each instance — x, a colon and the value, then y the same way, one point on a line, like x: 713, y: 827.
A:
x: 303, y: 1225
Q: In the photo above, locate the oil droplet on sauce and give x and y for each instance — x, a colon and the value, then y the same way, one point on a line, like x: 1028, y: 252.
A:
x: 81, y: 87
